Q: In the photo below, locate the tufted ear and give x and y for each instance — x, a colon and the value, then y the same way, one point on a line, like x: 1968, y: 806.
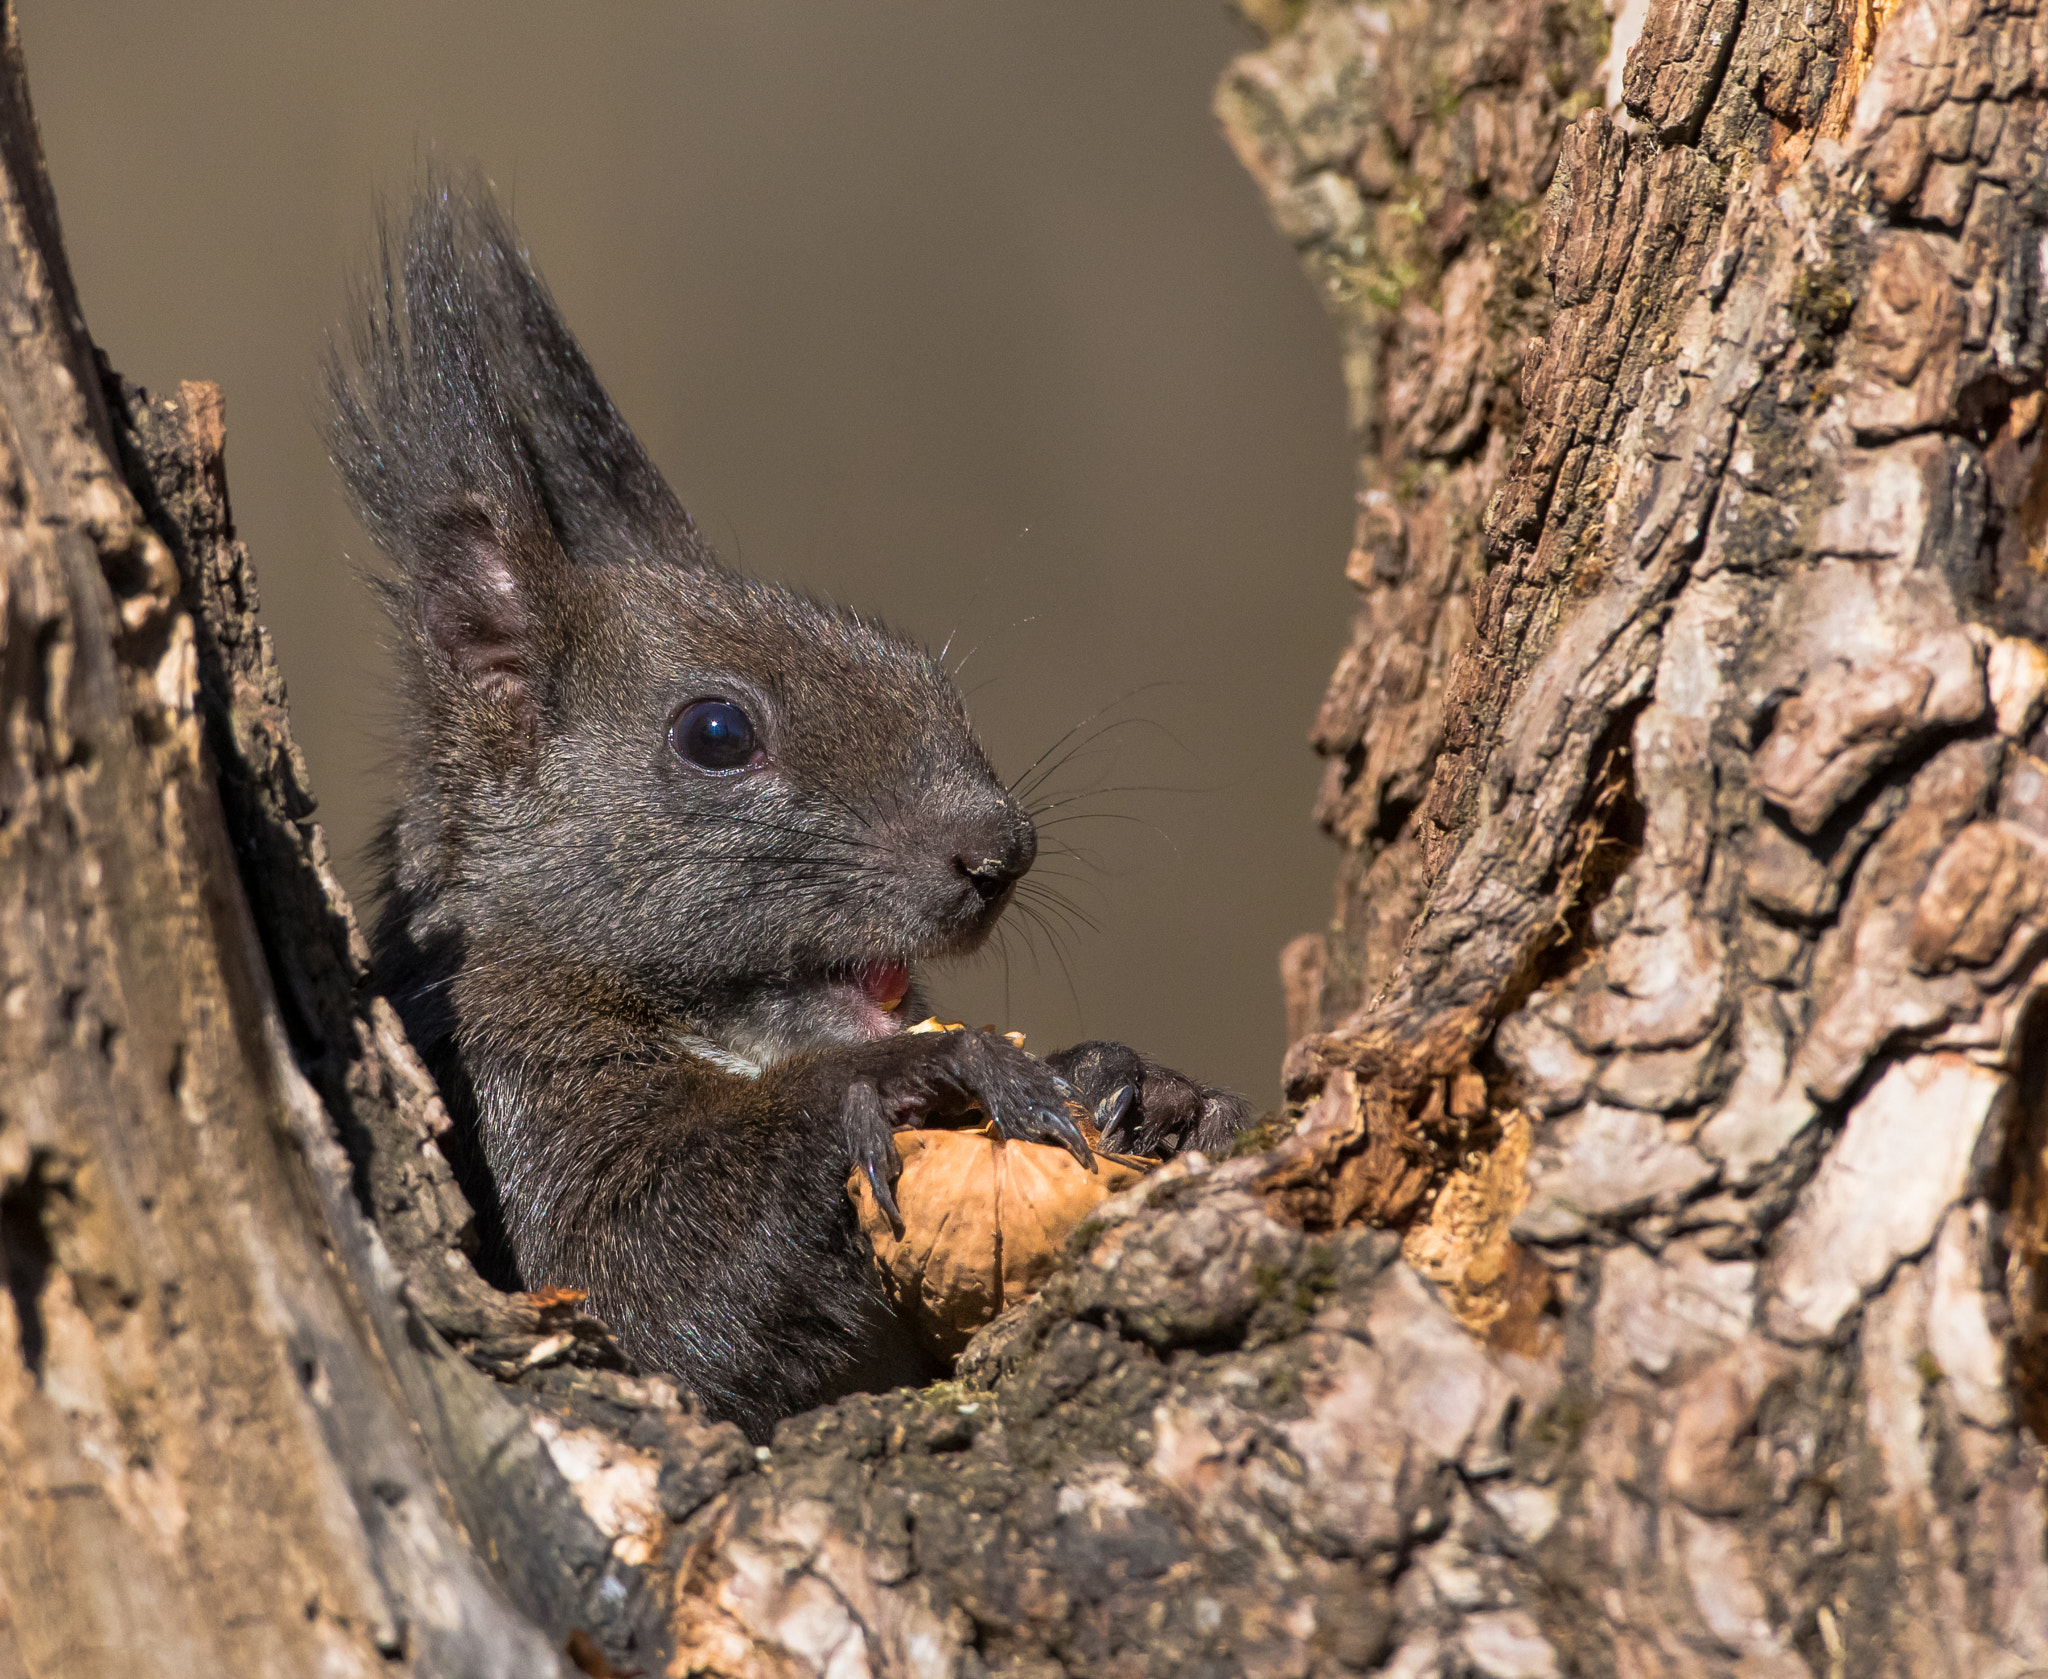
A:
x: 473, y: 436
x: 474, y: 603
x: 476, y: 447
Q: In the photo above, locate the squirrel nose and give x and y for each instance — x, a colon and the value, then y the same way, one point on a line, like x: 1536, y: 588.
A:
x: 995, y: 859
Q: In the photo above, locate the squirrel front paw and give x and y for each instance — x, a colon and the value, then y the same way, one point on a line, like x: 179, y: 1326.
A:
x: 1143, y: 1108
x: 911, y: 1078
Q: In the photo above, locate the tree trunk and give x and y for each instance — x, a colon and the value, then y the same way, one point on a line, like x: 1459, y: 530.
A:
x: 234, y: 1438
x: 1695, y: 846
x: 1652, y: 1276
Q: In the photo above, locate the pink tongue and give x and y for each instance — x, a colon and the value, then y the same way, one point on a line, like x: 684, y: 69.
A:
x: 884, y: 982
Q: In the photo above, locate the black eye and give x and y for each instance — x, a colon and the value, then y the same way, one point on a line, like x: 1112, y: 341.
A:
x: 714, y: 735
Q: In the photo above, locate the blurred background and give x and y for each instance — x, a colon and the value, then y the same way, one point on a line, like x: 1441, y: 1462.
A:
x: 963, y: 314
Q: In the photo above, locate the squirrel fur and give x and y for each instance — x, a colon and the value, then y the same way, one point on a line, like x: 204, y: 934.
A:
x: 669, y: 844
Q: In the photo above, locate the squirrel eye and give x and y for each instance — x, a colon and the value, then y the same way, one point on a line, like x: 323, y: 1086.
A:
x: 714, y: 735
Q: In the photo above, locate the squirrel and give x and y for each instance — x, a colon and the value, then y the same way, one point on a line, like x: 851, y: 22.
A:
x: 669, y: 847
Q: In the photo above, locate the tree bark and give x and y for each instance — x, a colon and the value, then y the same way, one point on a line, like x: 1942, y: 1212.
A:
x: 1686, y: 762
x: 233, y: 1439
x: 1651, y: 1274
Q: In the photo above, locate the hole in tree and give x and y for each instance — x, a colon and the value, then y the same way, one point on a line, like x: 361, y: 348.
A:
x: 27, y: 1256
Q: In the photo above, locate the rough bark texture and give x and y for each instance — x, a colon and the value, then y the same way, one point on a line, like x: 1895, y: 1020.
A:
x: 1652, y: 1277
x: 232, y: 1437
x: 1697, y: 772
x: 207, y: 1462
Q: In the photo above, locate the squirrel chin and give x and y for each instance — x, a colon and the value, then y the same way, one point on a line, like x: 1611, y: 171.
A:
x: 853, y: 1004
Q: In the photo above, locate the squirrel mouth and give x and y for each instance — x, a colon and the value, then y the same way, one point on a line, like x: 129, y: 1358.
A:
x: 883, y: 984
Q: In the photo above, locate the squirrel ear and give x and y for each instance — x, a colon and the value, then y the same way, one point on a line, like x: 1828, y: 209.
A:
x: 473, y: 608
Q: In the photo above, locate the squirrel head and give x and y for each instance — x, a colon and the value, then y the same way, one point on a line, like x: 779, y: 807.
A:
x: 631, y: 771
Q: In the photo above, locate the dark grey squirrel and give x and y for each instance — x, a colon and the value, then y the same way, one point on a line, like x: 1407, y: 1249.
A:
x: 669, y: 845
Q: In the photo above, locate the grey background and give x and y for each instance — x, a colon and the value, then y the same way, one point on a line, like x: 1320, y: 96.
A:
x: 960, y: 312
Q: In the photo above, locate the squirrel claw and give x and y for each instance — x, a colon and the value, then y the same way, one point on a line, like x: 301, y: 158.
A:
x: 1062, y: 1129
x: 873, y: 1148
x: 1110, y: 1113
x: 885, y: 1197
